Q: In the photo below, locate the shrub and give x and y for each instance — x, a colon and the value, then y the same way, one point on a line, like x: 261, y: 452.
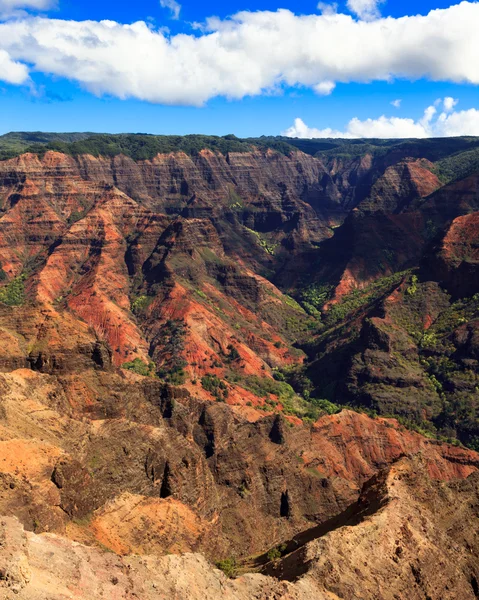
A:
x: 140, y: 304
x: 216, y: 387
x: 171, y: 344
x: 140, y: 368
x: 412, y: 289
x: 360, y: 299
x: 177, y: 377
x: 291, y: 302
x: 13, y: 294
x: 277, y: 552
x: 314, y: 297
x: 326, y: 406
x: 274, y: 554
x: 228, y: 566
x: 262, y: 386
x: 233, y: 354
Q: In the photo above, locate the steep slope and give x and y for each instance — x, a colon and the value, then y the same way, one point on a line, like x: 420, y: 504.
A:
x: 187, y: 341
x: 388, y: 545
x: 79, y: 451
x: 403, y: 344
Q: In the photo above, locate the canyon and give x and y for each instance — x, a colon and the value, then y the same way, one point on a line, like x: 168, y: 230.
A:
x: 262, y: 359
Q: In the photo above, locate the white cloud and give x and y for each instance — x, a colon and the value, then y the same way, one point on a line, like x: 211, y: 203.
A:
x: 172, y: 5
x: 464, y: 122
x: 249, y: 54
x: 325, y: 88
x: 11, y: 71
x: 449, y: 103
x: 328, y: 9
x: 384, y: 127
x: 396, y: 103
x: 428, y: 117
x: 431, y: 124
x: 365, y: 9
x: 9, y: 8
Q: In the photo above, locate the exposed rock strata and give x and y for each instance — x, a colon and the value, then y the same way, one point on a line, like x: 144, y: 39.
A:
x: 389, y: 546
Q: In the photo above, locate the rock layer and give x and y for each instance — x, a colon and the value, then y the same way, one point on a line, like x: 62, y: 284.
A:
x: 149, y: 337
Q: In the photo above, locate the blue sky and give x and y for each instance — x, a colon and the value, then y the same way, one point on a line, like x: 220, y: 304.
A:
x: 191, y: 11
x: 88, y: 88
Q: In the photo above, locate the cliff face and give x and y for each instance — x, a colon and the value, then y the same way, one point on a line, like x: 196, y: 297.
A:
x: 265, y: 189
x: 454, y: 260
x: 391, y: 527
x: 79, y: 451
x: 186, y: 342
x: 97, y: 251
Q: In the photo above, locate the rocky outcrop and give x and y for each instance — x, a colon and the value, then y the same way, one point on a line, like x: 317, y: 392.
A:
x: 382, y: 545
x: 215, y: 481
x: 455, y: 262
x: 389, y: 544
x: 147, y: 346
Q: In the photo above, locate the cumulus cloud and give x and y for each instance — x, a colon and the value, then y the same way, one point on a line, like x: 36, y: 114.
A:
x: 383, y: 127
x: 172, y: 5
x: 365, y: 9
x: 396, y: 103
x: 449, y: 103
x: 248, y: 54
x: 9, y: 8
x: 328, y: 9
x: 325, y: 88
x: 11, y: 71
x: 447, y: 123
x: 464, y: 122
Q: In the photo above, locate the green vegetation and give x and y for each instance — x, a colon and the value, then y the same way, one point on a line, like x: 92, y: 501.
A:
x: 140, y: 304
x: 360, y: 298
x: 228, y: 566
x: 263, y: 386
x: 140, y: 146
x: 216, y: 387
x: 176, y: 376
x: 412, y: 289
x: 140, y: 368
x: 326, y: 407
x: 74, y: 217
x: 426, y: 344
x: 13, y: 294
x: 171, y: 345
x: 458, y: 313
x: 269, y: 247
x: 454, y: 158
x: 13, y: 144
x: 146, y: 147
x: 233, y: 354
x: 302, y: 406
x: 458, y: 165
x: 235, y: 201
x: 314, y: 297
x: 454, y: 377
x: 274, y: 554
x: 291, y: 302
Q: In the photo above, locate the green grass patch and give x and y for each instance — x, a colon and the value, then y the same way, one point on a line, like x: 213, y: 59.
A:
x: 13, y: 294
x: 140, y: 368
